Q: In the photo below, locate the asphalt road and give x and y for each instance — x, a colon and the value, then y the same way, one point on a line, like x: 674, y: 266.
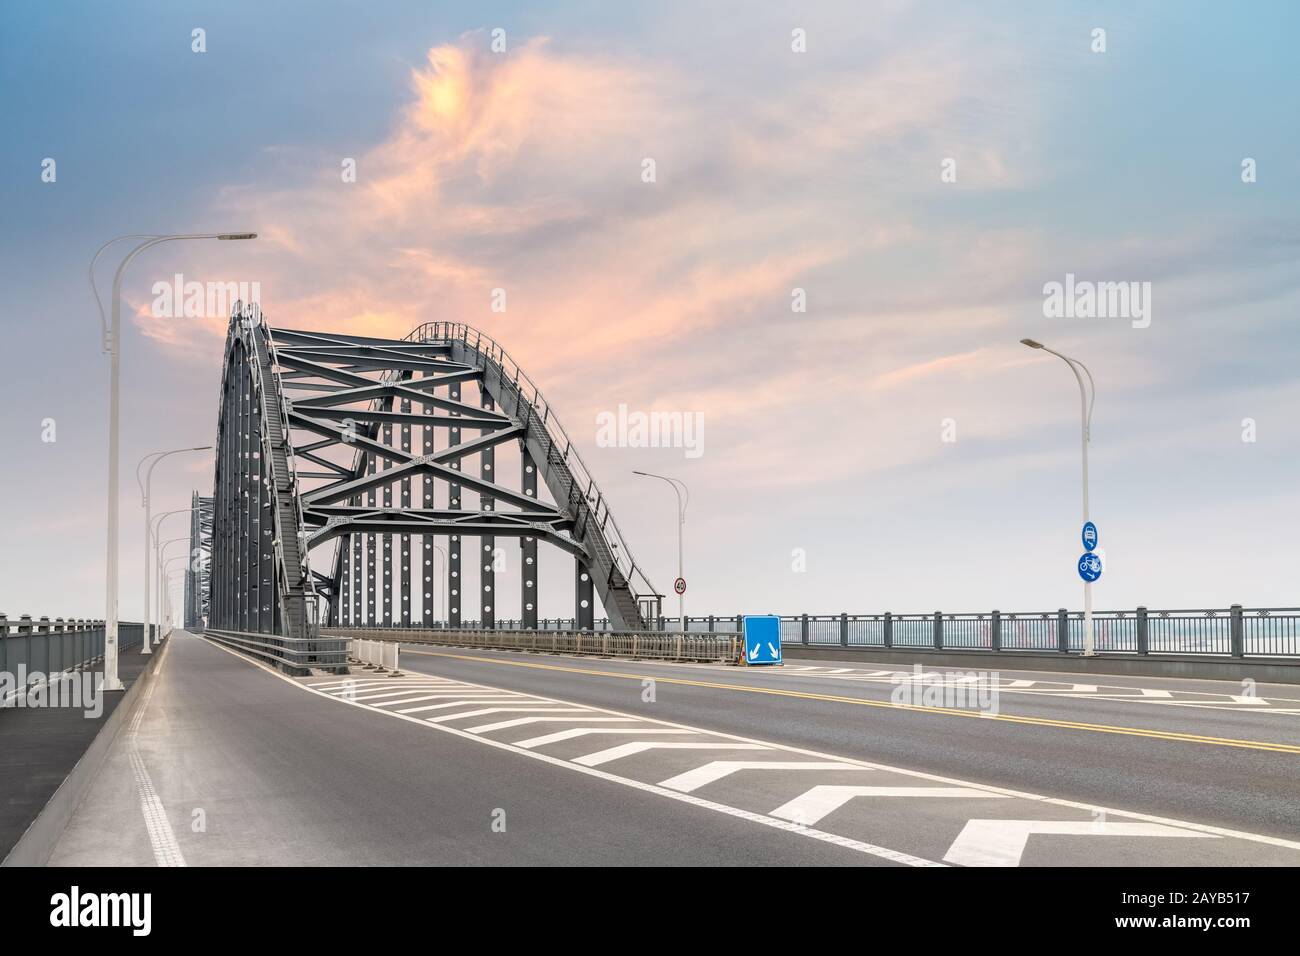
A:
x: 477, y: 757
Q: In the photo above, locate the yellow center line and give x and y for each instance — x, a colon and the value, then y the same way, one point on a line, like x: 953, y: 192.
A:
x: 920, y: 708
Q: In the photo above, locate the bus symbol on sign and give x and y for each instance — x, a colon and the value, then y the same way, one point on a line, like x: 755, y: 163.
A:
x: 680, y: 585
x: 1089, y: 536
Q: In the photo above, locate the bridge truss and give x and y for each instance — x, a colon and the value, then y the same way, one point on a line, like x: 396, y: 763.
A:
x: 198, y: 570
x: 347, y: 466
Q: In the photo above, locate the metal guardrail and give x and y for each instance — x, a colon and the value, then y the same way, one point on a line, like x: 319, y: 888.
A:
x: 653, y: 645
x: 41, y: 646
x: 1217, y: 632
x: 294, y: 655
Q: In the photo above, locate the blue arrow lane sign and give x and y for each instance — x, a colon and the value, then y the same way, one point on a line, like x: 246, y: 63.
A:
x: 762, y: 636
x: 1090, y: 536
x: 1089, y: 566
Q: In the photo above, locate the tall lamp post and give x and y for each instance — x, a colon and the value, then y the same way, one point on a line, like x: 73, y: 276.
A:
x: 160, y: 566
x: 145, y: 485
x: 679, y: 486
x: 168, y: 584
x: 111, y: 342
x: 1087, y: 396
x: 157, y: 528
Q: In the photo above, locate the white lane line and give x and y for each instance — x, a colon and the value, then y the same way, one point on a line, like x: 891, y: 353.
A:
x: 584, y: 731
x: 521, y: 721
x: 1002, y: 842
x: 455, y: 703
x: 641, y: 746
x: 816, y: 803
x: 1148, y: 692
x: 162, y: 838
x: 712, y: 772
x: 532, y: 709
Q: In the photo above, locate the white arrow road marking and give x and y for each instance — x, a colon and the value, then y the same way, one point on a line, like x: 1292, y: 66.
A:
x: 640, y: 746
x: 508, y: 710
x: 584, y: 731
x: 1001, y: 842
x: 810, y: 807
x: 754, y: 652
x: 520, y: 721
x: 772, y: 647
x: 710, y: 772
x: 458, y: 702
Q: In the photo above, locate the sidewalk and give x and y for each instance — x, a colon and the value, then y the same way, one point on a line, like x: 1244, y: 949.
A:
x: 39, y: 747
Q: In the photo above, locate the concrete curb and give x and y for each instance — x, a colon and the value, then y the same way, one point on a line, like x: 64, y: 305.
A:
x: 36, y: 844
x: 1264, y: 670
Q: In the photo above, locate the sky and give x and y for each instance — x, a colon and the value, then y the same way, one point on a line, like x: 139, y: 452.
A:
x: 919, y: 170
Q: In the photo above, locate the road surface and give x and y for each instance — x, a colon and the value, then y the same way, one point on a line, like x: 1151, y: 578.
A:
x: 478, y: 757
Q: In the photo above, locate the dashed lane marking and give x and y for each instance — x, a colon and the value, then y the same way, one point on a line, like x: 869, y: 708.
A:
x: 1168, y: 735
x: 795, y: 783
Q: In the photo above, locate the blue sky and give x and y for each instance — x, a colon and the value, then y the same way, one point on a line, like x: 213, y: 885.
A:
x: 776, y: 170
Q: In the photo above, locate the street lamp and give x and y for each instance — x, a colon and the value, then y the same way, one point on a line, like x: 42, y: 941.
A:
x: 157, y: 527
x: 111, y: 342
x: 168, y: 585
x: 1087, y: 396
x: 145, y: 502
x: 160, y: 566
x: 678, y: 486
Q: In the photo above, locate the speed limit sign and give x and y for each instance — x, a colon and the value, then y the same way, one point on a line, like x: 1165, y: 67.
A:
x: 680, y: 585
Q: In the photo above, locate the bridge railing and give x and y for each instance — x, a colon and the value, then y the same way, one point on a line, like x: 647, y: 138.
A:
x: 39, y: 647
x: 293, y: 655
x: 652, y: 645
x: 1223, y: 632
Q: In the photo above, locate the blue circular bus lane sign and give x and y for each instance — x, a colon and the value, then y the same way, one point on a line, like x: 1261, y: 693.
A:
x: 1089, y: 566
x: 1089, y: 536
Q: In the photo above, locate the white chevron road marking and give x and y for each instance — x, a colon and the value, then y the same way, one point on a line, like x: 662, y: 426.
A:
x: 520, y: 721
x: 1002, y: 842
x: 809, y: 807
x: 640, y: 746
x: 508, y: 710
x: 457, y: 703
x: 711, y: 772
x: 584, y: 731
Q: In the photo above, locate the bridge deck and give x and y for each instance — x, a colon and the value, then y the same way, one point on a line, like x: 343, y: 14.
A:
x: 724, y: 766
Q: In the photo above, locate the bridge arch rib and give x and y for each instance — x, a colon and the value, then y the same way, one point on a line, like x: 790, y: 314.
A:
x: 382, y: 454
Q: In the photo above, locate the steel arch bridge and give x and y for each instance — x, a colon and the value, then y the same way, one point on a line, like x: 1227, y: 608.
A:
x: 345, y: 465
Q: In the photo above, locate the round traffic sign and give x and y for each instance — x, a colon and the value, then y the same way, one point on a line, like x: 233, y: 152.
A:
x: 680, y: 585
x: 1089, y: 566
x: 1089, y: 536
